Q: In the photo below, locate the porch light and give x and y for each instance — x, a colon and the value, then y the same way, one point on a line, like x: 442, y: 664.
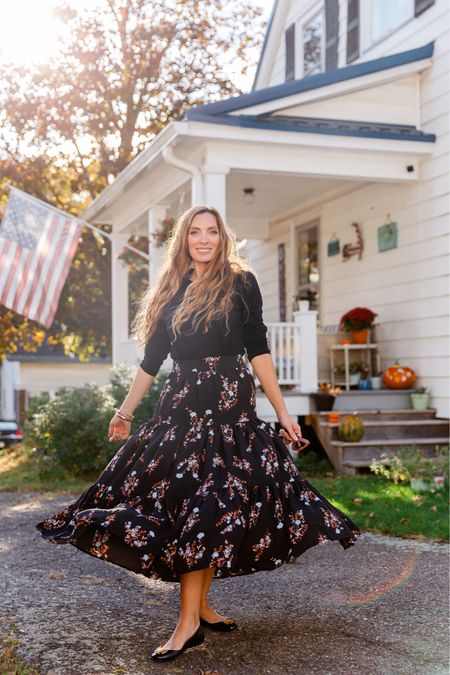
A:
x: 249, y: 196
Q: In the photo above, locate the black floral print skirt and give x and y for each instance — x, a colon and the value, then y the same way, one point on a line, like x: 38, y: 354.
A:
x: 203, y: 483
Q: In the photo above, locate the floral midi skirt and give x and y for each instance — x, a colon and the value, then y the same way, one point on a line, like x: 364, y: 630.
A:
x: 203, y: 483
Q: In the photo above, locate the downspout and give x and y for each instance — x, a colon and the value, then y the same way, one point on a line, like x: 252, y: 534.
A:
x: 193, y: 169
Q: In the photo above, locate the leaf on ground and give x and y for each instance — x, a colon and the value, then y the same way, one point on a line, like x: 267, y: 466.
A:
x: 357, y: 500
x: 56, y: 575
x: 433, y: 508
x: 371, y: 514
x: 404, y: 521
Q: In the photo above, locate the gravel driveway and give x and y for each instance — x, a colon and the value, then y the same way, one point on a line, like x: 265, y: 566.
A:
x: 380, y: 607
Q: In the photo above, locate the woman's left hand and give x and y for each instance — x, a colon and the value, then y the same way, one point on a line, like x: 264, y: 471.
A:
x: 291, y: 430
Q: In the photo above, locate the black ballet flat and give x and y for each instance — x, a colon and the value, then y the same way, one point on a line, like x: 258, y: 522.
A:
x: 166, y: 654
x: 223, y: 626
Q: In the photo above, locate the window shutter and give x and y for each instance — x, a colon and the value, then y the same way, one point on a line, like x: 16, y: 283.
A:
x: 331, y: 33
x: 290, y: 52
x: 352, y: 30
x: 421, y: 5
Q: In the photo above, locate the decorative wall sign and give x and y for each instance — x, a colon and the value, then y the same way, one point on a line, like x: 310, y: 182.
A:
x: 282, y: 281
x: 352, y: 249
x: 387, y: 236
x: 334, y: 246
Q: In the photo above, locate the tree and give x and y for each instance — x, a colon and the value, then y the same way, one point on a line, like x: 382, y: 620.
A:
x: 68, y: 127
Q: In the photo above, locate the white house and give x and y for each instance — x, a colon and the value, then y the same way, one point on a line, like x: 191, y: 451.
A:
x: 346, y: 129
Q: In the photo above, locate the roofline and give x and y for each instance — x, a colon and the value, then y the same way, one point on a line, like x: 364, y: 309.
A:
x: 316, y: 81
x: 247, y: 121
x: 163, y: 138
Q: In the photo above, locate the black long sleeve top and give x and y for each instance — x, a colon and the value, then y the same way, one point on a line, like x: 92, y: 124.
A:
x: 247, y: 329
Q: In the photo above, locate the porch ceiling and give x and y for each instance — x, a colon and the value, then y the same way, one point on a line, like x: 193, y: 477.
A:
x: 275, y: 193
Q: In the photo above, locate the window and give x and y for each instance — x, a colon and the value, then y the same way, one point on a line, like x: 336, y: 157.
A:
x: 313, y: 45
x: 386, y: 16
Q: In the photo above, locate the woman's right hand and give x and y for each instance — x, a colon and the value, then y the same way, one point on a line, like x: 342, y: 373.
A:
x: 119, y: 429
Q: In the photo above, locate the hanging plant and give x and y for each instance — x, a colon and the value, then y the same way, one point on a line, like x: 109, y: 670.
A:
x: 161, y: 236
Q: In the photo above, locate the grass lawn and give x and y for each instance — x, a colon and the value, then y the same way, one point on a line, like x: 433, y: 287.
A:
x: 18, y: 474
x: 374, y: 503
x: 378, y: 505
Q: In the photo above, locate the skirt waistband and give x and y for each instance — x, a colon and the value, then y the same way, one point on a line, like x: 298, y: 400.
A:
x: 211, y: 362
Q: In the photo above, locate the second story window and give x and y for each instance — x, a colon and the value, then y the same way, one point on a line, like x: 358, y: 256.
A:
x: 312, y: 36
x: 386, y: 16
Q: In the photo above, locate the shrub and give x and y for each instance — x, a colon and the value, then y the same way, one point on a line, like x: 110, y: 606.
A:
x: 70, y: 431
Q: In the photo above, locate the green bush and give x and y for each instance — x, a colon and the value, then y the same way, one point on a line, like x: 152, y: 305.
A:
x: 70, y: 431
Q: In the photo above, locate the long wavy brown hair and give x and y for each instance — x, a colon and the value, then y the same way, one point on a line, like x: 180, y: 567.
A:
x: 206, y: 298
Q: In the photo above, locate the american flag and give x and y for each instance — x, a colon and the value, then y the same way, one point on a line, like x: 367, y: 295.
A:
x: 37, y: 244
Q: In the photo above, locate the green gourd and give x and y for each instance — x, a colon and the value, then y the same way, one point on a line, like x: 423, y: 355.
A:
x: 351, y: 429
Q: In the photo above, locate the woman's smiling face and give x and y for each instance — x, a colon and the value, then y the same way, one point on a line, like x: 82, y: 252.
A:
x: 203, y: 237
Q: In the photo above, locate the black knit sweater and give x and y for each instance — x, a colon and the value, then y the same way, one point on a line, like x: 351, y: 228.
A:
x: 247, y: 329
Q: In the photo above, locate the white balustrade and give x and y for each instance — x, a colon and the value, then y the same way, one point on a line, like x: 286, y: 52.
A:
x: 293, y: 347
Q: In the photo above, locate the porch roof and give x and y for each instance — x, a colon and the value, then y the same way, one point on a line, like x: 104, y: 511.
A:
x: 314, y: 125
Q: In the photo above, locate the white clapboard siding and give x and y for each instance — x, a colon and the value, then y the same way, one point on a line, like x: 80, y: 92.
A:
x: 408, y: 286
x: 430, y: 25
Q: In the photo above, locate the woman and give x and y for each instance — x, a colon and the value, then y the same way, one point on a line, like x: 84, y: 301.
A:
x: 204, y: 488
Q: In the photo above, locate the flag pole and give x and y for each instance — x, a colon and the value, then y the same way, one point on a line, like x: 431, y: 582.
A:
x: 80, y: 220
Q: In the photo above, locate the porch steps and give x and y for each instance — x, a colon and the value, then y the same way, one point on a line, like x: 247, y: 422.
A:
x: 374, y: 399
x: 385, y: 431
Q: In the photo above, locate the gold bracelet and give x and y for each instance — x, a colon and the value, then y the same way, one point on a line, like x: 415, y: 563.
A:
x: 125, y: 416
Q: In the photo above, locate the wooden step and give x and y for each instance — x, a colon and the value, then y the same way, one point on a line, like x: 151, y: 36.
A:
x: 406, y: 413
x: 395, y: 441
x: 394, y: 429
x: 390, y: 423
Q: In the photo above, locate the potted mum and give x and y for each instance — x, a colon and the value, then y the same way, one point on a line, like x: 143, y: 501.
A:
x: 357, y: 321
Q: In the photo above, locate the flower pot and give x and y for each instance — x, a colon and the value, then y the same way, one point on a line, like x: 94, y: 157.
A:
x: 375, y: 381
x: 354, y: 378
x: 360, y: 336
x: 420, y: 485
x: 323, y: 401
x: 303, y: 305
x: 420, y: 401
x: 365, y: 384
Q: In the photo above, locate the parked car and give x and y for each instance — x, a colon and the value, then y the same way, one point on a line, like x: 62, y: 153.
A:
x: 10, y: 433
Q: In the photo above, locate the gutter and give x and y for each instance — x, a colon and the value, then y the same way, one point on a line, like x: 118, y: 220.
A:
x: 193, y: 169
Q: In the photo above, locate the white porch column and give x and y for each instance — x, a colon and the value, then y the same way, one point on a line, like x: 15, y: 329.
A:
x: 119, y: 297
x: 197, y: 197
x: 156, y: 214
x: 215, y: 187
x: 306, y: 356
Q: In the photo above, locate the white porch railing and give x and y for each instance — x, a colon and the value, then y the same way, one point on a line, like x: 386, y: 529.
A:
x: 293, y: 347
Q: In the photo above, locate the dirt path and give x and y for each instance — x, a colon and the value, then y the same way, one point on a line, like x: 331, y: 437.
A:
x: 380, y: 607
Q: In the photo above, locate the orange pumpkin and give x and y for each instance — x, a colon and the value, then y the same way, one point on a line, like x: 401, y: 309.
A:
x: 399, y: 377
